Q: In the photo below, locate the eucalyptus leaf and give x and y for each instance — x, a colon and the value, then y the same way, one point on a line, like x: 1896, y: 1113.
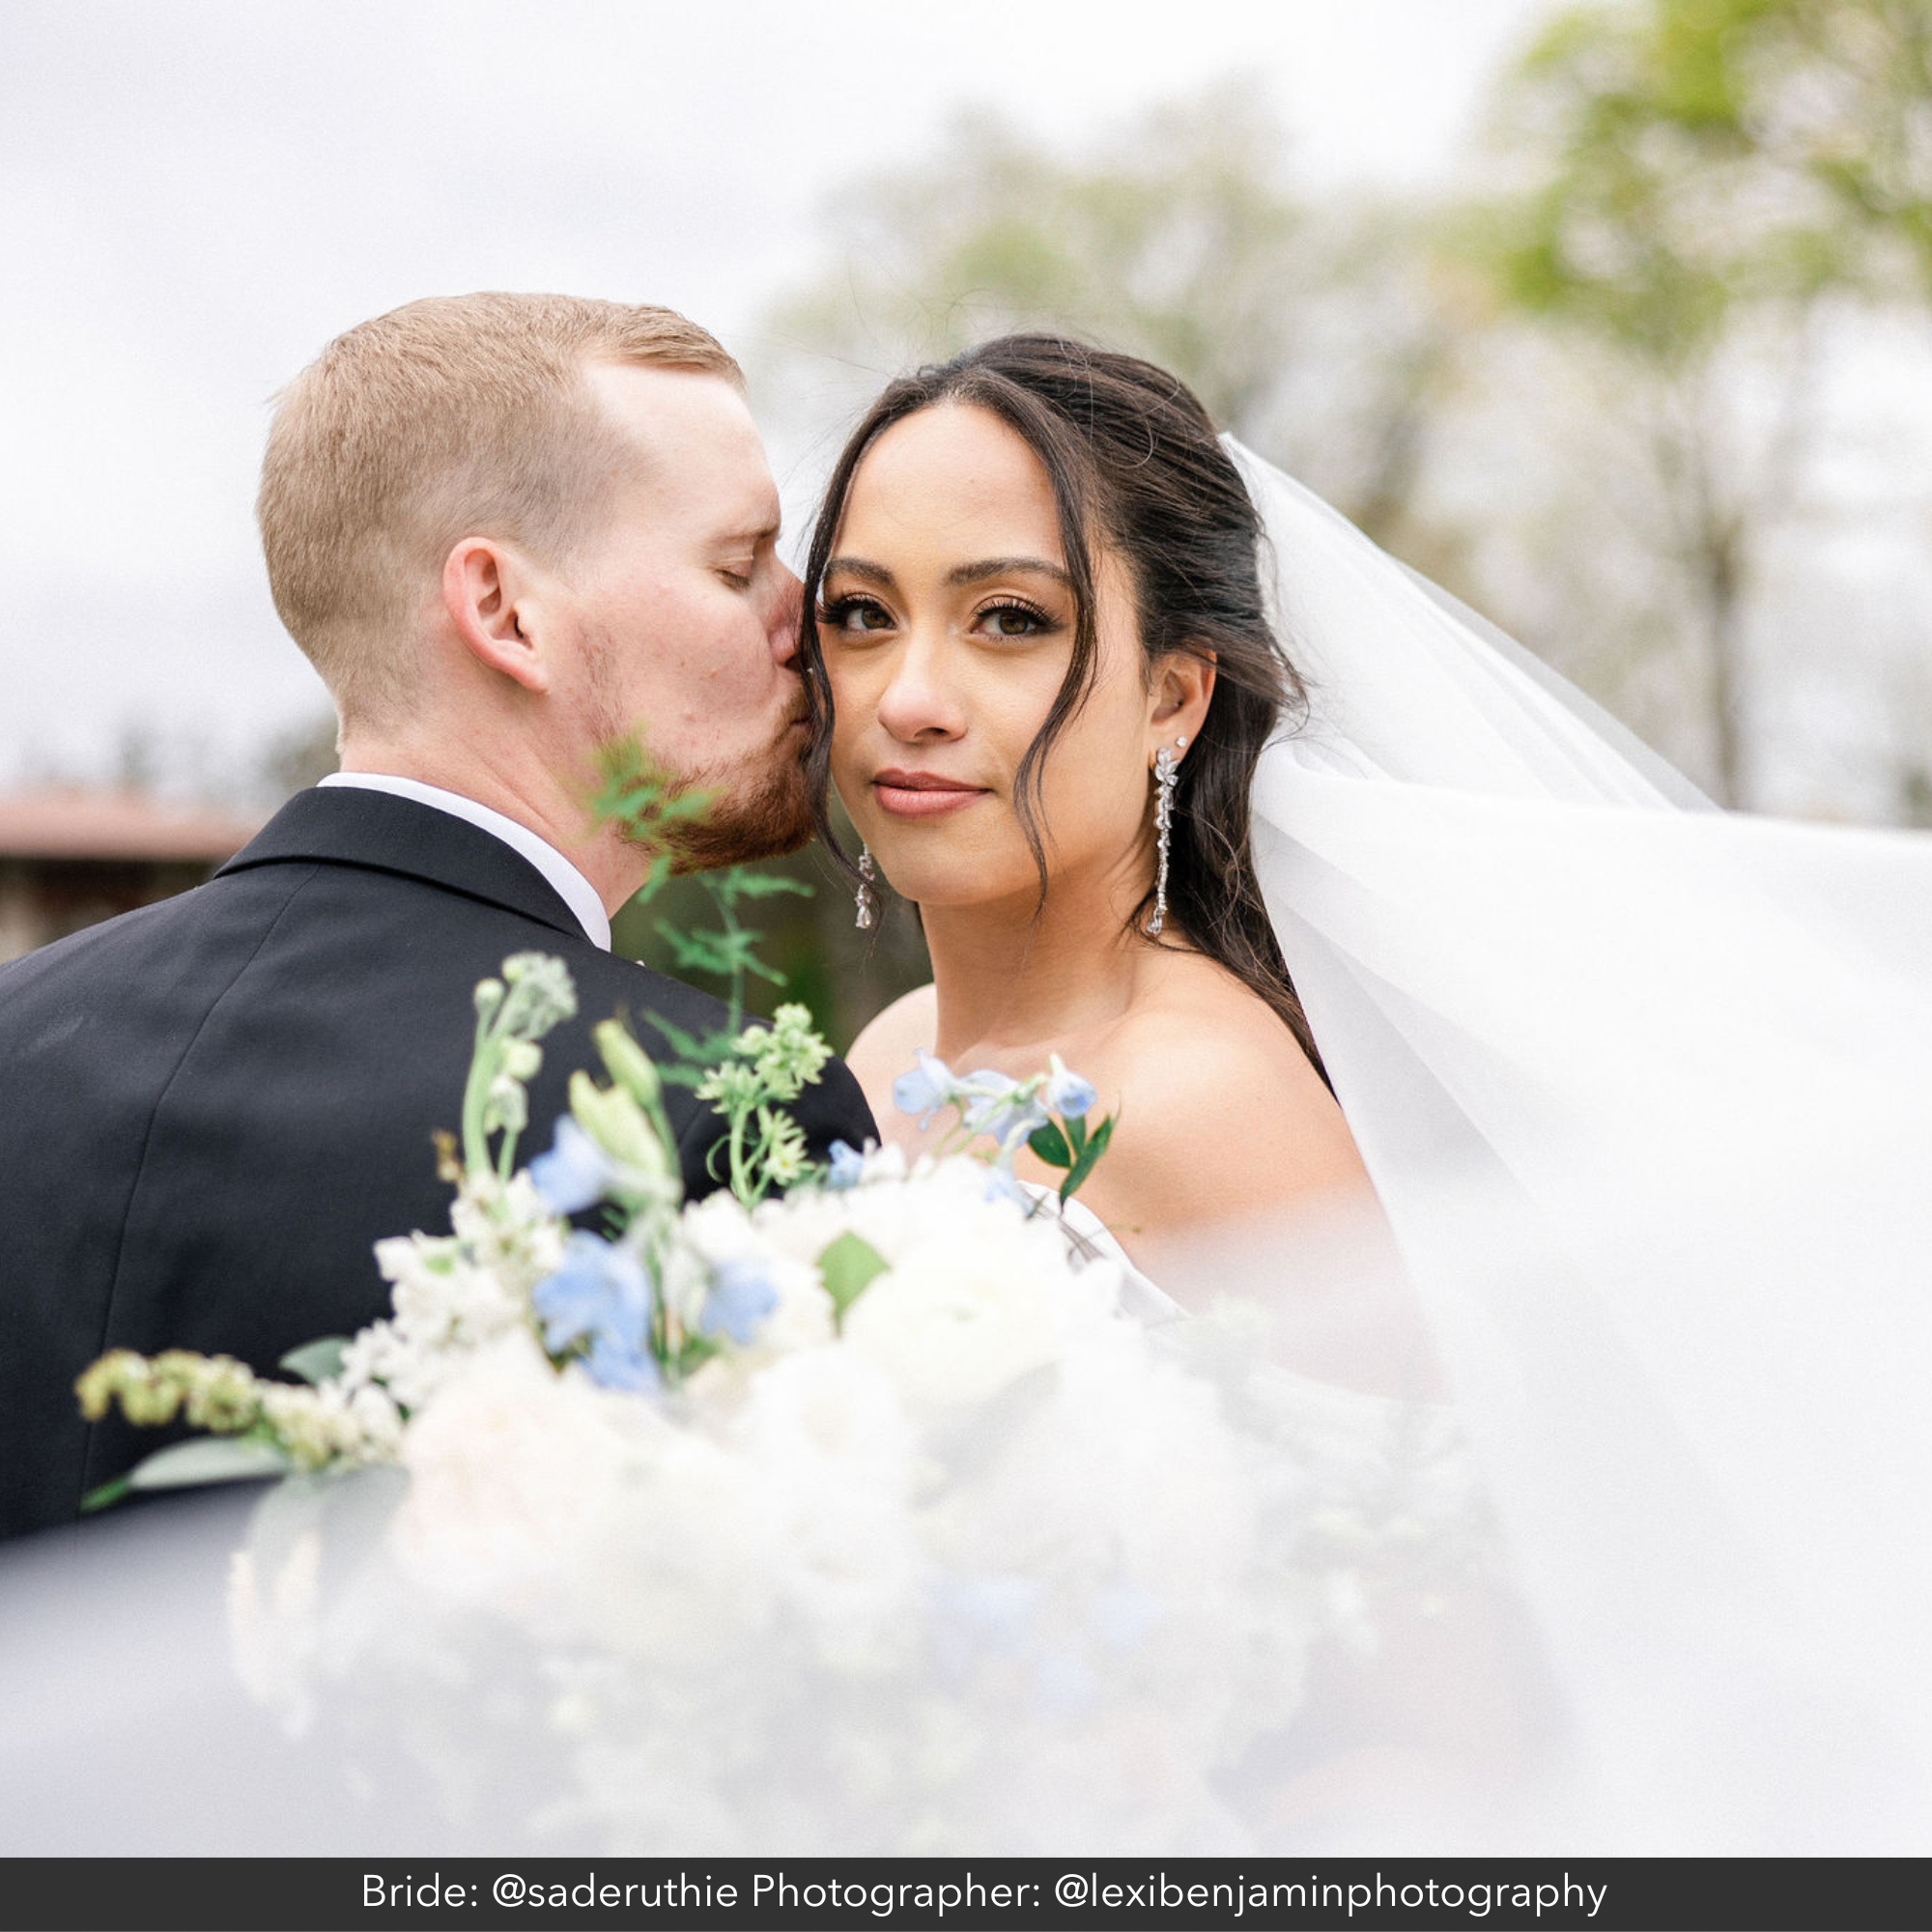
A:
x: 318, y: 1361
x: 208, y: 1459
x: 848, y: 1266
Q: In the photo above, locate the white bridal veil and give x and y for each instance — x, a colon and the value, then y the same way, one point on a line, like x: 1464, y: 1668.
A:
x: 1645, y: 1090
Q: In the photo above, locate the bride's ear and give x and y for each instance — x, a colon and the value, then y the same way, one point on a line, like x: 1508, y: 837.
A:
x: 1178, y: 702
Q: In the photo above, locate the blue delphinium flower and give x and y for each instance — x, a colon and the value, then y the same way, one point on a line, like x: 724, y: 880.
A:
x: 848, y: 1165
x: 612, y: 1366
x: 1006, y: 1110
x: 600, y: 1292
x: 741, y: 1296
x: 1066, y: 1093
x: 574, y: 1174
x: 1003, y: 1184
x: 926, y: 1089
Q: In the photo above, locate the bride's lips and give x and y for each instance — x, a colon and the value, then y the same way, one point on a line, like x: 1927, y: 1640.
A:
x: 922, y: 794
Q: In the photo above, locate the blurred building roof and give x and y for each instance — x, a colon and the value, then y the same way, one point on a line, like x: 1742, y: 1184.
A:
x: 74, y: 824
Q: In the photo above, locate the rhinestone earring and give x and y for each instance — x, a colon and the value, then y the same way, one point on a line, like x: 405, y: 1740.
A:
x: 868, y: 896
x: 1166, y: 776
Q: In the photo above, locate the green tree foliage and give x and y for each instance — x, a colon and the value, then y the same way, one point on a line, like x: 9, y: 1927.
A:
x: 1695, y: 179
x: 1696, y: 155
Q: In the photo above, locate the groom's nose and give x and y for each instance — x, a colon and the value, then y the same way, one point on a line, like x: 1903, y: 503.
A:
x: 789, y: 610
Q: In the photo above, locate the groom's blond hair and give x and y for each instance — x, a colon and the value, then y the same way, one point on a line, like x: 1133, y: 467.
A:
x: 459, y: 415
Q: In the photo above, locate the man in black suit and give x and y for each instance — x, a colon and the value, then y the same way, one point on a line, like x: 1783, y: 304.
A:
x: 507, y: 529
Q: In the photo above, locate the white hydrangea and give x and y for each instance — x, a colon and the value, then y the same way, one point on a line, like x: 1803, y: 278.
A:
x: 977, y: 1290
x: 508, y: 1468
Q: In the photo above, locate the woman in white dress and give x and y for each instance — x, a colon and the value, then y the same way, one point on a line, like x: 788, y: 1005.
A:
x: 1638, y: 1088
x: 1014, y: 623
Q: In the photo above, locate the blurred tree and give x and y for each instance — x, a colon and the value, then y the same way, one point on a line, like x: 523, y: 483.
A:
x: 1696, y: 178
x: 1321, y: 335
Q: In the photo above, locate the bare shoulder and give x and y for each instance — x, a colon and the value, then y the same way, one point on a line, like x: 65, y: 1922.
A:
x: 1222, y: 1116
x: 885, y: 1046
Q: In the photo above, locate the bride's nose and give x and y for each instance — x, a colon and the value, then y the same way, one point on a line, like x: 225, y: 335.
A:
x: 921, y: 701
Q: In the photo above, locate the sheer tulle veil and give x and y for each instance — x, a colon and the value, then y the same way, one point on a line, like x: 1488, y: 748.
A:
x: 1645, y: 1091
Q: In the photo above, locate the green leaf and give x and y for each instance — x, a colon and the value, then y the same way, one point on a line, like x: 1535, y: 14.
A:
x: 208, y: 1459
x: 696, y: 1351
x: 694, y: 951
x: 1076, y: 1135
x: 654, y: 880
x: 1090, y: 1155
x: 1050, y: 1144
x: 318, y: 1361
x: 762, y: 885
x: 103, y: 1495
x: 848, y: 1266
x: 686, y: 1045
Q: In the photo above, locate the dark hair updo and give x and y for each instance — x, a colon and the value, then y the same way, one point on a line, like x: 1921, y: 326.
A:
x: 1136, y: 467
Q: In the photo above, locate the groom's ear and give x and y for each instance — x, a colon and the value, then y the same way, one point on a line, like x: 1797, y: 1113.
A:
x: 1184, y: 682
x: 488, y: 595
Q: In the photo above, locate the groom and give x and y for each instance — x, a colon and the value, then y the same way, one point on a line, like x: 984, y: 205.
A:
x: 507, y: 529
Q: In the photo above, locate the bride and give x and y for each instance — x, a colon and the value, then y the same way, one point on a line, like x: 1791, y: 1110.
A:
x: 1008, y: 700
x: 1356, y: 914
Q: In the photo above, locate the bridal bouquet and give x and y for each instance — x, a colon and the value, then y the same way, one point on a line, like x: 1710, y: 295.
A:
x: 843, y: 1508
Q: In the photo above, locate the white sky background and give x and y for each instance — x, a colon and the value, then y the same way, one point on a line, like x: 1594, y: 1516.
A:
x: 196, y: 196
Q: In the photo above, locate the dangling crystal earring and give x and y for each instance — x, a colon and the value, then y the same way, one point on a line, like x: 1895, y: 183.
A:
x: 868, y: 898
x: 1166, y: 776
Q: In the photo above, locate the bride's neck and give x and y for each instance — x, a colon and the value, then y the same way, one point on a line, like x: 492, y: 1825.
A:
x: 1005, y: 978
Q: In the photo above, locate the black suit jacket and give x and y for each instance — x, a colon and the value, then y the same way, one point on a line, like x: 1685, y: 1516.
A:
x: 211, y: 1108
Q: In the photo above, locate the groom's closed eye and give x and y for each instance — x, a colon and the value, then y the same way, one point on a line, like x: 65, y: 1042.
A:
x: 740, y: 553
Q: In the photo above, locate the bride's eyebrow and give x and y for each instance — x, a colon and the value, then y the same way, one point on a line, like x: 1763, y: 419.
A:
x: 1008, y: 566
x: 863, y: 568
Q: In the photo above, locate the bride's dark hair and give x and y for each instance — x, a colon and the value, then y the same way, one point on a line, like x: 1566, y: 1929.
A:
x: 1134, y: 462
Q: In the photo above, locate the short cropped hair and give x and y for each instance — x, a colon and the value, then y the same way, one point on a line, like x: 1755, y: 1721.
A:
x: 454, y: 416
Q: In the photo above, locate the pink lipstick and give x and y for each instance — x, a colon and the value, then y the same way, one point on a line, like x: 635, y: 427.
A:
x: 922, y: 794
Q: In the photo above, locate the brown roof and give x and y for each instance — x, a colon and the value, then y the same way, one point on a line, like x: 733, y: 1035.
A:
x: 117, y: 825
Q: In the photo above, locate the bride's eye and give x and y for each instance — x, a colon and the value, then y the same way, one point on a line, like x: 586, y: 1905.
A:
x: 1015, y: 621
x: 853, y: 615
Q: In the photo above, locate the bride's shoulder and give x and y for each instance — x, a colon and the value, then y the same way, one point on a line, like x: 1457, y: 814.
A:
x: 886, y: 1043
x: 1221, y: 1114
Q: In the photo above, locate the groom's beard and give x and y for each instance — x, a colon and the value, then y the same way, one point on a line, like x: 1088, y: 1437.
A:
x: 751, y: 815
x: 755, y: 808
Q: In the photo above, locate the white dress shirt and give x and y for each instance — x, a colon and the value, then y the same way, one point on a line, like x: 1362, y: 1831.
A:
x: 576, y: 890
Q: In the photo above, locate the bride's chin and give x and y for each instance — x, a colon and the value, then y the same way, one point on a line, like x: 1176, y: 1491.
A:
x: 932, y: 884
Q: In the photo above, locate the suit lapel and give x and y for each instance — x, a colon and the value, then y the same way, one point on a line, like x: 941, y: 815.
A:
x: 344, y: 825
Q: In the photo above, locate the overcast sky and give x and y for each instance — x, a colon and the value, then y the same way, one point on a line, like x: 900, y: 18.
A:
x: 196, y: 194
